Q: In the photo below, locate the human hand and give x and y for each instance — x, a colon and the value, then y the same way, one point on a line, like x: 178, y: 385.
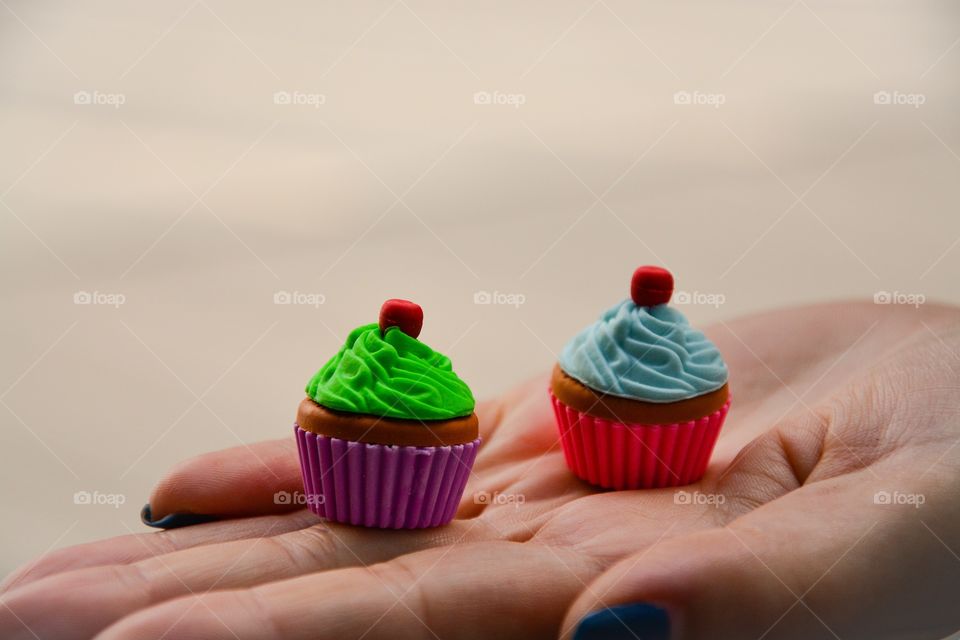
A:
x: 783, y: 537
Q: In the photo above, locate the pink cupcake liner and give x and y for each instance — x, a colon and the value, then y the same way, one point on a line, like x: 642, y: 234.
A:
x: 614, y: 455
x: 383, y: 486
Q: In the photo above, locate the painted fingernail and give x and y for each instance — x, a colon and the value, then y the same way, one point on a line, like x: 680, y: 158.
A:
x: 173, y: 520
x: 641, y: 621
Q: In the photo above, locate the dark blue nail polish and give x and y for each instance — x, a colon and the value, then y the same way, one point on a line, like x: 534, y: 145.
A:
x: 641, y: 621
x: 173, y: 520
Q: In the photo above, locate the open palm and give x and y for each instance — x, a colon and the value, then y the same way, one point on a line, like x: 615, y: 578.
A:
x: 833, y: 406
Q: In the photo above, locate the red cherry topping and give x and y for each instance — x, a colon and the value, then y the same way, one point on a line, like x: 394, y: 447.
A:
x: 651, y: 286
x: 403, y: 314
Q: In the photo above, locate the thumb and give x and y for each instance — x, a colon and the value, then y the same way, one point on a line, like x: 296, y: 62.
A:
x: 804, y: 566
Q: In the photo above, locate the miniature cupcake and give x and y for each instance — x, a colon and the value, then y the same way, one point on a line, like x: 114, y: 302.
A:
x: 387, y: 434
x: 640, y: 395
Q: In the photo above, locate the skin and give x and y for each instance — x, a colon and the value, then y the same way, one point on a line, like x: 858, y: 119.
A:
x: 831, y: 404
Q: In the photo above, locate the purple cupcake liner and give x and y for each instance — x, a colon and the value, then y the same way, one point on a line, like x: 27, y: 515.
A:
x: 383, y: 486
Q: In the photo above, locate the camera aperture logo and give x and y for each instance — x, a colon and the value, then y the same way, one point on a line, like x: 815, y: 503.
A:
x: 96, y: 498
x: 297, y: 498
x: 899, y: 98
x: 699, y: 98
x: 698, y: 498
x: 498, y: 498
x: 499, y: 98
x: 104, y: 298
x: 499, y: 298
x: 898, y: 498
x: 99, y: 98
x: 299, y: 298
x: 299, y: 99
x: 699, y: 297
x: 899, y: 297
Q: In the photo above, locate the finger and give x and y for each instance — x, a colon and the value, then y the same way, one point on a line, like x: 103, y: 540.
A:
x: 823, y: 561
x: 231, y: 482
x: 244, y: 480
x: 88, y: 600
x: 131, y: 548
x: 452, y: 592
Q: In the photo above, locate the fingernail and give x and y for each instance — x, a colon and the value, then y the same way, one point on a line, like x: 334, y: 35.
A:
x: 641, y: 621
x: 173, y: 520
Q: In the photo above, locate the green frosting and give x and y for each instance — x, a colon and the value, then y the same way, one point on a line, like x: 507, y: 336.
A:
x: 390, y: 375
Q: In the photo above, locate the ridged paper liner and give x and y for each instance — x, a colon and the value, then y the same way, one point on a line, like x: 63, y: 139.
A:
x: 383, y: 486
x: 614, y: 455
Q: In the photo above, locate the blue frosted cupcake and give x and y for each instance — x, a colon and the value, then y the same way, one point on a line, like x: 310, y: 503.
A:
x: 640, y: 395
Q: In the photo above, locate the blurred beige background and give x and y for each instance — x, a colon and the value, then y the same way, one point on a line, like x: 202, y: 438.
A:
x: 195, y: 161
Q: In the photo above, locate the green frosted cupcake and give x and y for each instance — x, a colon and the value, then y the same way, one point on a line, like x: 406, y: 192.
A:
x: 387, y: 434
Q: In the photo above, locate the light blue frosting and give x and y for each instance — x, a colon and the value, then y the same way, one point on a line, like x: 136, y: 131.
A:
x: 644, y: 353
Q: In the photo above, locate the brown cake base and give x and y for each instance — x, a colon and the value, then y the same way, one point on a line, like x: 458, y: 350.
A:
x: 575, y: 394
x: 360, y: 427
